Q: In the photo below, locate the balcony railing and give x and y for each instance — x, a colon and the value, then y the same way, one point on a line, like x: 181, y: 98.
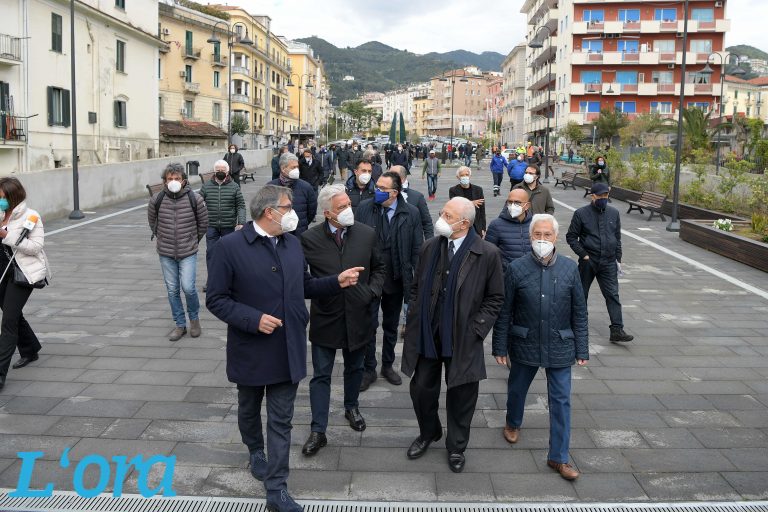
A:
x: 218, y: 60
x: 192, y: 53
x: 241, y: 70
x: 13, y: 128
x: 10, y: 48
x: 241, y: 98
x: 193, y: 87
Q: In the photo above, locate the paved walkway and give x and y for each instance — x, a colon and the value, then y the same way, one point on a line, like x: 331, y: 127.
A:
x: 679, y: 414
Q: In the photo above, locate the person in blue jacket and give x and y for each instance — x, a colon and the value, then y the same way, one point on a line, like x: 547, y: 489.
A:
x: 517, y: 169
x: 257, y: 284
x: 498, y: 164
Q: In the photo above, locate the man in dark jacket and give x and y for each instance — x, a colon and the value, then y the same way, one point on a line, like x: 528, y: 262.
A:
x: 310, y: 170
x: 327, y: 160
x: 415, y: 198
x: 470, y: 191
x: 276, y: 162
x: 595, y: 236
x: 400, y: 157
x: 257, y: 286
x: 360, y: 185
x: 178, y: 218
x: 509, y: 231
x: 355, y: 155
x: 226, y: 207
x: 454, y: 301
x: 398, y: 227
x: 342, y: 156
x: 340, y: 321
x: 304, y: 197
x: 543, y: 324
x: 235, y: 162
x: 541, y: 198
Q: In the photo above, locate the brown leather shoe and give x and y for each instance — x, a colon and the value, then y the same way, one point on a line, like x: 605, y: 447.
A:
x: 566, y: 470
x: 511, y: 434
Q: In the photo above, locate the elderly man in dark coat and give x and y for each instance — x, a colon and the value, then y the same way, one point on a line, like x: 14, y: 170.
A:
x: 415, y: 198
x: 310, y: 169
x: 543, y: 324
x: 454, y: 301
x: 340, y: 322
x: 304, y: 196
x: 472, y: 192
x: 257, y: 285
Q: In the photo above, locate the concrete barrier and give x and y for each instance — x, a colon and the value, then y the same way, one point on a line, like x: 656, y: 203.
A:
x: 50, y: 192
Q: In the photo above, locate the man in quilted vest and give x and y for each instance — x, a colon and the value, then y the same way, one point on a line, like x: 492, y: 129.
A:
x: 226, y: 207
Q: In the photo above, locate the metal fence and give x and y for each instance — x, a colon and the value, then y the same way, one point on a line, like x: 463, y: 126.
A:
x: 13, y: 128
x: 10, y: 47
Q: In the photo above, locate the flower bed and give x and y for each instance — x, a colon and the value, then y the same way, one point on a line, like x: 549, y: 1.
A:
x: 726, y: 243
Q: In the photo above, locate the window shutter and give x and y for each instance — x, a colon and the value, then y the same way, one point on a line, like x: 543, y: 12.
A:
x: 65, y: 107
x: 117, y: 113
x: 49, y: 95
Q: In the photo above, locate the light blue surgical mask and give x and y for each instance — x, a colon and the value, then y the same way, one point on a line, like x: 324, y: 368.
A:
x: 3, y: 204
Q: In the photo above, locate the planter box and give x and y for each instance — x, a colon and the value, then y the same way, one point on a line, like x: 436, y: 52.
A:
x: 736, y: 247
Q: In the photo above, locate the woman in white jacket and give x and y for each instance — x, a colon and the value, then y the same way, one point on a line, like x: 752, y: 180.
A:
x: 15, y: 331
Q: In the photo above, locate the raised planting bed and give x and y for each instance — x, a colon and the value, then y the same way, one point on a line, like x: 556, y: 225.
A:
x: 726, y: 243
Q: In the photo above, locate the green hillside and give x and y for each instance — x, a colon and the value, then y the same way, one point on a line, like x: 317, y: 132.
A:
x: 744, y: 50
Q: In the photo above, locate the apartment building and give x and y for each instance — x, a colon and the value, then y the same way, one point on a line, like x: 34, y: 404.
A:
x: 402, y: 101
x: 459, y: 95
x: 745, y: 98
x: 513, y: 96
x: 614, y: 54
x: 309, y: 90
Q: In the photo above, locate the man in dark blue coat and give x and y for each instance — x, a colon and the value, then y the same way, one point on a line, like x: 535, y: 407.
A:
x: 304, y: 196
x: 360, y: 185
x: 416, y: 198
x: 509, y: 231
x: 399, y: 232
x: 543, y: 324
x: 257, y: 285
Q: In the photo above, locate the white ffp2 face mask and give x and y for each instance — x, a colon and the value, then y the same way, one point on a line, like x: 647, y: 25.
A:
x: 289, y: 222
x: 515, y: 210
x: 542, y: 248
x: 346, y: 218
x: 529, y: 178
x: 294, y: 174
x: 174, y: 186
x: 365, y: 178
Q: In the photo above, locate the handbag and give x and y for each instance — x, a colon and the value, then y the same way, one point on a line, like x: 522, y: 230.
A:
x: 19, y: 279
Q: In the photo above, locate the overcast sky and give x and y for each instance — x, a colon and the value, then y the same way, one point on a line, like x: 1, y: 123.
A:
x: 423, y: 26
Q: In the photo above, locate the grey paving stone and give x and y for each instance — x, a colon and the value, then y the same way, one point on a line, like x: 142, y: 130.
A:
x: 211, y: 454
x: 117, y: 363
x: 686, y: 487
x: 319, y: 485
x: 187, y: 480
x: 756, y: 419
x: 463, y: 488
x: 533, y: 487
x: 693, y: 460
x: 52, y: 447
x: 730, y: 437
x: 99, y: 376
x: 210, y: 394
x: 182, y: 411
x: 189, y: 431
x: 600, y: 460
x: 136, y: 392
x: 618, y: 419
x: 154, y: 378
x: 52, y: 389
x: 80, y: 406
x: 61, y: 361
x: 749, y: 484
x: 748, y: 459
x: 378, y: 485
x: 685, y: 402
x: 735, y: 402
x: 25, y: 424
x: 178, y: 365
x: 635, y: 387
x: 111, y: 447
x: 611, y: 488
x: 617, y: 438
x: 80, y: 427
x: 716, y: 387
x: 29, y: 405
x: 670, y: 438
x: 33, y: 373
x: 125, y: 428
x: 625, y: 402
x: 699, y: 419
x: 232, y: 482
x: 135, y: 351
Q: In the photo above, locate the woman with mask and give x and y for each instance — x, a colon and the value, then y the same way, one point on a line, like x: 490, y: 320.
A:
x: 598, y: 172
x: 235, y: 162
x: 541, y: 198
x: 29, y: 266
x: 472, y: 192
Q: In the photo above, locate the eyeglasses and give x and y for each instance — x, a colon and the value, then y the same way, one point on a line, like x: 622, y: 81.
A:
x: 287, y: 207
x: 517, y: 203
x: 380, y: 189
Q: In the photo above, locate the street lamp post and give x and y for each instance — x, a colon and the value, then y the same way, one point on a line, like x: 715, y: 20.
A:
x: 307, y: 86
x: 75, y: 214
x: 214, y: 40
x: 537, y: 43
x: 453, y: 86
x: 563, y: 102
x: 739, y: 71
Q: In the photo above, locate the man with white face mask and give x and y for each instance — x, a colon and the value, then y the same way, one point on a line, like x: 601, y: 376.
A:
x: 304, y: 196
x: 541, y: 198
x: 454, y: 301
x: 257, y: 285
x: 360, y: 185
x: 340, y: 322
x: 543, y: 324
x: 509, y: 231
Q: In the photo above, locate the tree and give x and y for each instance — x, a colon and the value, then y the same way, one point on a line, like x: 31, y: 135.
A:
x: 572, y: 132
x: 634, y: 133
x: 361, y: 116
x: 698, y: 130
x: 238, y: 125
x: 609, y: 123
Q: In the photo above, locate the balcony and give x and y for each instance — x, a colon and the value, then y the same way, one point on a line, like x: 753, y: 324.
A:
x: 259, y: 102
x: 241, y: 98
x: 650, y: 27
x: 10, y: 50
x: 13, y: 131
x: 544, y: 54
x: 218, y: 61
x: 192, y: 87
x: 541, y: 79
x: 192, y: 53
x: 241, y: 70
x: 259, y: 77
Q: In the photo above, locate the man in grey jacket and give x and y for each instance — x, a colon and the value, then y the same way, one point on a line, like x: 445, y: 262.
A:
x: 178, y: 218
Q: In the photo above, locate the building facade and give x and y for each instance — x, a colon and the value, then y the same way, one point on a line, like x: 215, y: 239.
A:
x: 307, y: 104
x: 458, y: 97
x: 513, y: 97
x: 745, y: 98
x: 117, y: 110
x: 402, y: 101
x: 623, y: 55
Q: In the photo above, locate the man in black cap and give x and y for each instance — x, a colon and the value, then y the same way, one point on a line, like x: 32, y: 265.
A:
x: 595, y: 236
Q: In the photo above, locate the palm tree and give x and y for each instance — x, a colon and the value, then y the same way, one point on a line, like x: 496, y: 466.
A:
x: 698, y: 130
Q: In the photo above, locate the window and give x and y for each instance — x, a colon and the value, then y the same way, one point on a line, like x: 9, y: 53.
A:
x: 58, y: 107
x: 188, y: 73
x: 665, y: 15
x: 629, y: 15
x: 160, y: 106
x: 665, y: 45
x: 626, y: 77
x: 663, y: 77
x: 627, y: 107
x: 159, y: 69
x: 703, y: 105
x: 120, y: 56
x: 216, y: 79
x: 217, y: 112
x: 736, y: 94
x: 703, y: 14
x: 216, y: 52
x: 592, y: 46
x: 701, y: 46
x: 56, y: 33
x: 188, y: 43
x: 189, y: 109
x: 120, y: 118
x: 591, y: 77
x: 697, y: 78
x: 593, y: 16
x: 661, y: 107
x: 589, y: 106
x: 628, y: 45
x: 120, y: 4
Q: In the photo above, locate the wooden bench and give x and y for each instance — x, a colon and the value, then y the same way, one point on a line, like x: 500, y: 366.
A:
x: 651, y: 201
x: 245, y: 176
x: 566, y: 180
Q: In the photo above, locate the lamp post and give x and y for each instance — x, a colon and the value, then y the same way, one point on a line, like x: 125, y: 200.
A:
x: 453, y: 86
x: 739, y: 71
x: 75, y: 214
x: 563, y: 102
x: 307, y: 86
x: 537, y: 43
x: 214, y: 40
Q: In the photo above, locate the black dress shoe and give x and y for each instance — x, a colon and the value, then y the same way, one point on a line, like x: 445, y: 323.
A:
x: 419, y: 446
x: 368, y: 379
x: 391, y: 375
x: 456, y: 462
x: 24, y: 361
x: 355, y: 419
x: 315, y: 441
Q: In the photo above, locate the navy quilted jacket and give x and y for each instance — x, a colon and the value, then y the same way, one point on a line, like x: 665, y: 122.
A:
x: 511, y: 236
x: 544, y: 318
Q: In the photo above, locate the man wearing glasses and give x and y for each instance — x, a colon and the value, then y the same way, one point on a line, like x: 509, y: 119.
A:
x: 399, y: 233
x: 509, y: 231
x: 257, y: 285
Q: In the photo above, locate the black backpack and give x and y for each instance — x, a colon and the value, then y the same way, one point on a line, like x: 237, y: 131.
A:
x: 192, y: 202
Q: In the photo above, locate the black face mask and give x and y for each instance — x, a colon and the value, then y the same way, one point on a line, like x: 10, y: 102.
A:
x: 221, y: 175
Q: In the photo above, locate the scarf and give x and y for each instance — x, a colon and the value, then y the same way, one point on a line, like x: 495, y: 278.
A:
x: 427, y: 348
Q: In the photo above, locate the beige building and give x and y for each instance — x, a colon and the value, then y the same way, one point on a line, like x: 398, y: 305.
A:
x: 745, y: 98
x: 463, y: 93
x: 422, y: 109
x: 117, y: 108
x: 309, y: 104
x: 513, y: 93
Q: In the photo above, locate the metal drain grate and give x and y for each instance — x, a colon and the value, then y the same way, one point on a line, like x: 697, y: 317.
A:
x: 69, y: 501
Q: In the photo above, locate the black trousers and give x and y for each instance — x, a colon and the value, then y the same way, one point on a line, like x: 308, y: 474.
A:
x: 607, y: 277
x: 460, y: 403
x: 15, y: 330
x: 391, y: 304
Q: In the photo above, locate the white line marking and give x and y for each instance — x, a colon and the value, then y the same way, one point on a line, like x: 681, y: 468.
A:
x: 97, y: 219
x: 686, y: 259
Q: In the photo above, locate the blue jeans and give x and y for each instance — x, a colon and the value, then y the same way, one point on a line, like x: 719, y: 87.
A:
x: 180, y: 275
x: 320, y: 385
x: 211, y: 237
x: 280, y: 399
x: 432, y: 184
x: 559, y: 398
x: 468, y: 160
x: 497, y: 177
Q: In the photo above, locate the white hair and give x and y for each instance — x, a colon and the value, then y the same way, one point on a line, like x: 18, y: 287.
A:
x: 544, y: 217
x: 462, y: 169
x: 327, y: 194
x: 221, y: 163
x: 467, y: 208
